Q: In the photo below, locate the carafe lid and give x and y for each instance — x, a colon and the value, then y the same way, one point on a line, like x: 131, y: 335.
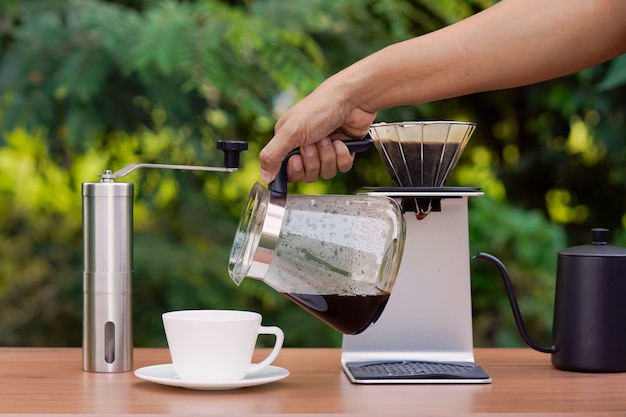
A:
x: 598, y: 248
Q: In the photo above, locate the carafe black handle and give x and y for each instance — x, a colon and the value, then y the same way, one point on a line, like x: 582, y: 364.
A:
x: 278, y: 187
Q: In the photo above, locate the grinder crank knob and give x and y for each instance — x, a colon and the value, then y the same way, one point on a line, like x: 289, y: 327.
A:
x: 232, y: 149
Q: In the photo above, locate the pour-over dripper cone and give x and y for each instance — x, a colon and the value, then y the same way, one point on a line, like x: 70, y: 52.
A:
x: 421, y: 154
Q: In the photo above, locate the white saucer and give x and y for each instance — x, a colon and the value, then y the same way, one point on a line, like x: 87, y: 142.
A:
x: 165, y: 374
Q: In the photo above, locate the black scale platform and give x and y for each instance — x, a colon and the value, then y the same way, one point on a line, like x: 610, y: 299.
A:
x: 399, y: 370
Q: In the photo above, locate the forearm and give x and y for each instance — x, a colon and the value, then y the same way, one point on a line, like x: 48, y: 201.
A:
x: 515, y: 42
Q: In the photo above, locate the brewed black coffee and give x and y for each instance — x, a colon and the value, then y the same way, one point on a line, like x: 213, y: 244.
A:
x: 350, y: 313
x: 419, y: 164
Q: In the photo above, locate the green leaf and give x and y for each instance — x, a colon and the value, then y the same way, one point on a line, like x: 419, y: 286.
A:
x: 616, y: 74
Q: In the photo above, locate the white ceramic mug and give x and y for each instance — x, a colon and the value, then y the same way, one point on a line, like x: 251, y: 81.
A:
x: 216, y: 345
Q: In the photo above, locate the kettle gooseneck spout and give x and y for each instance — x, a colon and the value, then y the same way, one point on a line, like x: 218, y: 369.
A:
x: 514, y: 306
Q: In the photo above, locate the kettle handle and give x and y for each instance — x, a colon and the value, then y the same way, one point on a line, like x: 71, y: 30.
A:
x: 514, y: 306
x: 278, y: 187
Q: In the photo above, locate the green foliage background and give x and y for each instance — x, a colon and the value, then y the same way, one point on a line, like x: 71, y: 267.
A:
x: 89, y: 85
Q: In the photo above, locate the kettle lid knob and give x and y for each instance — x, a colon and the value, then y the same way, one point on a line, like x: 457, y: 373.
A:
x: 600, y: 236
x: 599, y: 247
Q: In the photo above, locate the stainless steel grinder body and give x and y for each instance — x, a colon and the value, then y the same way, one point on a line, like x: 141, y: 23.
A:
x: 108, y: 261
x: 107, y: 276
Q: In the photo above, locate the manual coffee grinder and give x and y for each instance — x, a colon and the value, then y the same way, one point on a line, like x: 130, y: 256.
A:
x: 108, y: 262
x: 425, y: 332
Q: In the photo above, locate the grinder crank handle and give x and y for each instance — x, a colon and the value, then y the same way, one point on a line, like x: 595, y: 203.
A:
x: 231, y: 148
x: 278, y: 187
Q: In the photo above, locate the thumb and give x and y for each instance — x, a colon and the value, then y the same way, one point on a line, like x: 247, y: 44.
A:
x: 271, y: 158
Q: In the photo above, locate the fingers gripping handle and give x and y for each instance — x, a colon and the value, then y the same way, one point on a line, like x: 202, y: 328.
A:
x: 278, y: 187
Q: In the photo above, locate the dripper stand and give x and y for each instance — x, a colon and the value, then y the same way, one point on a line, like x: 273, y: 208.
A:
x: 425, y: 333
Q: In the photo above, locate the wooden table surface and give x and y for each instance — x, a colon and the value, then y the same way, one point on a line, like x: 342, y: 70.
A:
x: 51, y: 381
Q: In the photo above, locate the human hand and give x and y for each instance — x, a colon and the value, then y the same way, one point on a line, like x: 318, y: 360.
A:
x: 317, y: 125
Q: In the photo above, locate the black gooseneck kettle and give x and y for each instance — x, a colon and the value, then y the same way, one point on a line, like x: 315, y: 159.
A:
x: 589, y: 324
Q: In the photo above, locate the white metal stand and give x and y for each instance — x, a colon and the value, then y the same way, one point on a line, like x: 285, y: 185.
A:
x: 429, y: 314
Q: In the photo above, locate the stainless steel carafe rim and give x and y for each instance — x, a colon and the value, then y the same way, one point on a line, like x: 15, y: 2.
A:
x: 257, y: 235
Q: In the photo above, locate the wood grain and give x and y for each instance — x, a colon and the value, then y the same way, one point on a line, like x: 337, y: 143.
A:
x: 51, y: 381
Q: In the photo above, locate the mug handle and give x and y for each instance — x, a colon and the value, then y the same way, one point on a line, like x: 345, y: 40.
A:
x: 280, y: 337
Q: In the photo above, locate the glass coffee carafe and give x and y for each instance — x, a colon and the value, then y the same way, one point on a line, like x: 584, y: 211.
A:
x: 337, y: 256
